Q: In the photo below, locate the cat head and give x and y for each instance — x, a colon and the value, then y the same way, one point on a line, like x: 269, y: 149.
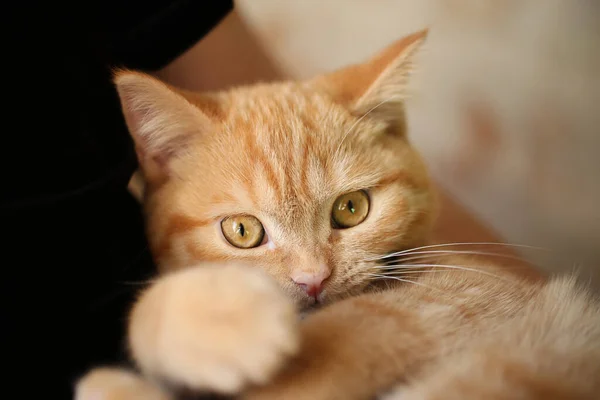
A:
x: 309, y: 180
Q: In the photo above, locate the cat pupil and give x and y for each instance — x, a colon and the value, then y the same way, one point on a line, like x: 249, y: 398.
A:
x: 351, y: 206
x: 241, y: 230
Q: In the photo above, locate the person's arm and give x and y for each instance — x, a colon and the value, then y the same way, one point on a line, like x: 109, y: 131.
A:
x: 456, y: 224
x: 229, y: 55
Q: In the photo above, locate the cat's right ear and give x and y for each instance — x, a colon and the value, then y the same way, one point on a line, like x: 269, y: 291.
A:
x: 379, y: 86
x: 160, y: 120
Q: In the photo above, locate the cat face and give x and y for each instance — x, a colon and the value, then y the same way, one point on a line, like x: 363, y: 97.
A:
x: 309, y: 181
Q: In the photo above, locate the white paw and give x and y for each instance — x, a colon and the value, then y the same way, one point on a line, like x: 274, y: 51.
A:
x: 116, y: 384
x: 214, y: 328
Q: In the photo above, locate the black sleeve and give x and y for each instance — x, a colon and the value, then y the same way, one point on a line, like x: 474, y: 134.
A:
x: 148, y: 34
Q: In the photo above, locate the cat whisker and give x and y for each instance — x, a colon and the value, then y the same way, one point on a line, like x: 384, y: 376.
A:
x: 384, y: 277
x: 499, y: 244
x: 400, y: 267
x: 410, y: 271
x: 430, y: 253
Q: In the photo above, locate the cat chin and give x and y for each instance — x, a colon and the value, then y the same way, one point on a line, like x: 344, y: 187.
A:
x: 308, y: 305
x: 304, y: 314
x: 307, y: 311
x: 395, y: 394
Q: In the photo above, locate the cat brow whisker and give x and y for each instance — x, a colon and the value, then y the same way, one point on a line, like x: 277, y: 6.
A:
x: 358, y: 121
x: 500, y: 244
x: 383, y: 277
x: 399, y: 267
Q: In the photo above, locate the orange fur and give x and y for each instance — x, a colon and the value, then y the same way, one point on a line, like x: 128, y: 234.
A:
x: 222, y: 318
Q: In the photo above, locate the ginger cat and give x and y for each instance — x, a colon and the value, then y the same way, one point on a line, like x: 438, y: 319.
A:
x: 268, y: 200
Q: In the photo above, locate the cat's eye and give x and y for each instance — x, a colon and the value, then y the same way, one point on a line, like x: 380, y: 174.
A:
x: 243, y: 231
x: 350, y: 209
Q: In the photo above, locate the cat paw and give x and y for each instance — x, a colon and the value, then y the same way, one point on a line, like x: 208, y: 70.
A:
x: 116, y: 384
x: 214, y: 328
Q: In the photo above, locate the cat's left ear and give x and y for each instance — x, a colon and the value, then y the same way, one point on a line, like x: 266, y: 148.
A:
x: 380, y: 85
x: 161, y: 120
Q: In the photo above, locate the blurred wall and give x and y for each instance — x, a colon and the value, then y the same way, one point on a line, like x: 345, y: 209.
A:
x: 508, y: 108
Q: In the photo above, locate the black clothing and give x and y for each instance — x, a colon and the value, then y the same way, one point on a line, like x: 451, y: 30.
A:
x: 74, y: 249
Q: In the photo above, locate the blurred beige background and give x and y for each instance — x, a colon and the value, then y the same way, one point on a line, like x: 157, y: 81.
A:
x: 508, y: 105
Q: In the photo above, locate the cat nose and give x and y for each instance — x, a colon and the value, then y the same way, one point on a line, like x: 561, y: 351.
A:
x: 311, y: 282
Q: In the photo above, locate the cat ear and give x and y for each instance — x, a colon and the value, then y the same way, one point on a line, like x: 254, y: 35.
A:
x: 390, y: 87
x: 380, y: 85
x: 160, y: 120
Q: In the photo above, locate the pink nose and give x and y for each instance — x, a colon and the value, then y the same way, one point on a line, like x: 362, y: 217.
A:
x: 311, y: 282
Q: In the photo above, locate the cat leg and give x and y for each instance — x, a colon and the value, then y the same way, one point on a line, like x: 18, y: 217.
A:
x: 213, y: 328
x: 117, y: 384
x: 354, y: 349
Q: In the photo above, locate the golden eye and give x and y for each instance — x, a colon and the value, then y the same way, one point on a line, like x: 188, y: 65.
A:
x: 243, y: 231
x: 350, y: 209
